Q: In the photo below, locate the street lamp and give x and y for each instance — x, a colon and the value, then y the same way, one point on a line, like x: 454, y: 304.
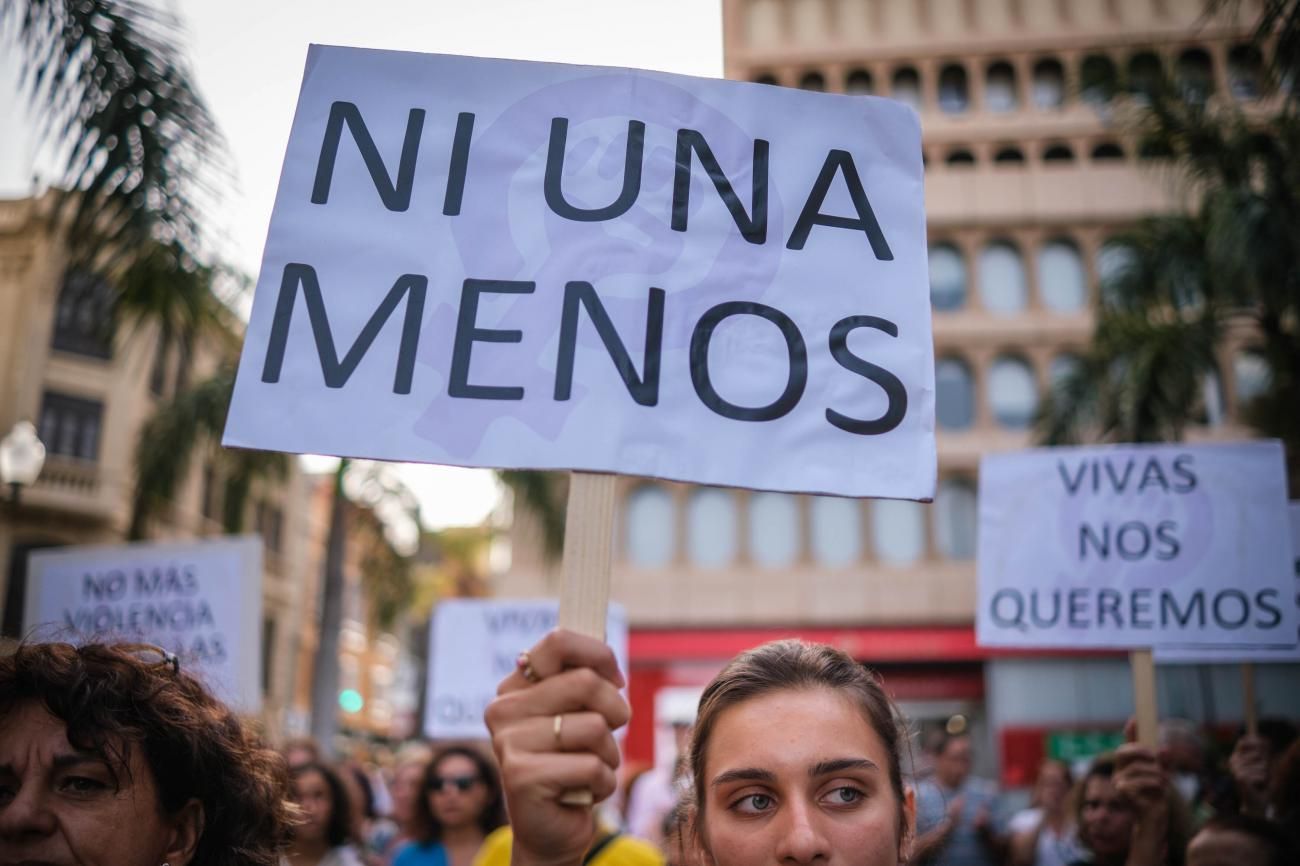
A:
x: 22, y: 454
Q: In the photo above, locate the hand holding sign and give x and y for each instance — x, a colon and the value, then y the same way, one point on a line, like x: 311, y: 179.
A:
x: 577, y: 682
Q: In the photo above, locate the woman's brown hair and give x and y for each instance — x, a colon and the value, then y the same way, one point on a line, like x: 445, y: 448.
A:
x: 117, y: 698
x: 795, y: 664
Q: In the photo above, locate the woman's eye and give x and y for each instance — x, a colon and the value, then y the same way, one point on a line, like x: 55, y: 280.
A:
x: 82, y: 785
x: 844, y: 796
x: 754, y: 803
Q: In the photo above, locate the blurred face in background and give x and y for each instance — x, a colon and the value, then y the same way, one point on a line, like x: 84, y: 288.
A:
x: 952, y: 765
x: 406, y: 793
x: 1052, y: 787
x: 458, y: 795
x: 1105, y: 820
x: 312, y: 794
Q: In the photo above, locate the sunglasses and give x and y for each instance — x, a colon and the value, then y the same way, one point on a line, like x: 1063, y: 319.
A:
x: 460, y: 783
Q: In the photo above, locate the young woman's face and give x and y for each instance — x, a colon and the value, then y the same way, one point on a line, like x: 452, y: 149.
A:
x: 459, y: 795
x: 406, y: 792
x: 799, y: 776
x: 1106, y: 820
x: 312, y: 793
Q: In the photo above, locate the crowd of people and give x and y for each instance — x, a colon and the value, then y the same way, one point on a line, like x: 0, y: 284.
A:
x: 111, y: 754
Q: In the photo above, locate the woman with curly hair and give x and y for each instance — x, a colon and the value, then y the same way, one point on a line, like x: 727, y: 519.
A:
x: 110, y: 754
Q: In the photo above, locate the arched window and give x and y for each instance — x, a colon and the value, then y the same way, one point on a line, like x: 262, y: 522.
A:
x: 906, y: 86
x: 1144, y: 74
x: 1012, y: 394
x: 711, y: 527
x: 83, y: 316
x: 897, y: 531
x: 954, y: 394
x: 1058, y: 153
x: 650, y: 528
x: 859, y: 81
x: 765, y: 78
x: 1246, y: 72
x: 1002, y: 285
x: 1252, y: 377
x: 1061, y: 277
x: 947, y: 277
x: 836, y: 531
x: 954, y: 94
x: 1009, y: 155
x: 1113, y: 261
x: 959, y: 157
x: 1049, y: 84
x: 1000, y: 88
x: 812, y: 81
x: 773, y: 529
x: 1097, y: 79
x: 955, y: 518
x: 1107, y: 150
x: 1195, y: 75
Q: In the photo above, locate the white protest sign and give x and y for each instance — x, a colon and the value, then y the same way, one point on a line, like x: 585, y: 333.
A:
x: 511, y: 264
x: 473, y: 645
x: 1135, y: 547
x: 201, y: 600
x: 1202, y: 655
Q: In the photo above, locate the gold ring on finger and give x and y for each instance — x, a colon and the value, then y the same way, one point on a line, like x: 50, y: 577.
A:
x: 557, y: 727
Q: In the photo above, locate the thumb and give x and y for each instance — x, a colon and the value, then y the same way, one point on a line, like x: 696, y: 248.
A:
x: 1131, y: 730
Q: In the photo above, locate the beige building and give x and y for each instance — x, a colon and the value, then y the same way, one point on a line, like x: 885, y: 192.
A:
x: 88, y: 395
x: 1028, y: 173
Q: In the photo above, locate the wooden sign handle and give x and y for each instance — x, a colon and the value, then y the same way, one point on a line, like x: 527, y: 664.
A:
x: 1248, y: 698
x: 588, y: 550
x: 1143, y: 666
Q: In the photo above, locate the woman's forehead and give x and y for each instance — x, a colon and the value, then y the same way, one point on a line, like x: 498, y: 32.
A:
x: 792, y: 730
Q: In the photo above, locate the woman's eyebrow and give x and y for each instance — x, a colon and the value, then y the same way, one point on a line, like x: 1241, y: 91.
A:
x: 744, y: 774
x: 839, y: 765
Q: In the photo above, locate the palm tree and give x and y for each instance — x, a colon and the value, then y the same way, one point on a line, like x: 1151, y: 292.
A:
x: 1232, y: 263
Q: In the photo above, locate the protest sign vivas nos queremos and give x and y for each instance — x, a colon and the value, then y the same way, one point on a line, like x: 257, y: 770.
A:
x: 511, y: 264
x: 1134, y: 546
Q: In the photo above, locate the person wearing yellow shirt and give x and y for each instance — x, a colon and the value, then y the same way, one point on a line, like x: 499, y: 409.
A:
x: 609, y: 848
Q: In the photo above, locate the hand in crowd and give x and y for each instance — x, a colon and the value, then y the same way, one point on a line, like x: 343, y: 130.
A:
x: 1141, y: 781
x: 575, y: 680
x: 1249, y: 768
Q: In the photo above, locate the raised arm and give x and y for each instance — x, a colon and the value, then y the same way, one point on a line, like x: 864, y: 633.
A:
x: 552, y: 727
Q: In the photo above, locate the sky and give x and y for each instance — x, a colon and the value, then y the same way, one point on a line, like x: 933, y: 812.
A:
x: 248, y: 57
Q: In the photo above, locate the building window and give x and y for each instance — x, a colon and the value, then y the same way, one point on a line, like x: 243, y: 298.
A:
x: 1114, y: 260
x: 1144, y: 74
x: 959, y: 157
x: 209, y: 503
x: 1000, y: 88
x: 954, y: 394
x: 897, y: 531
x: 906, y: 87
x: 711, y: 527
x: 765, y: 78
x: 1009, y: 155
x: 1049, y: 84
x: 813, y: 81
x: 859, y: 82
x: 1195, y: 75
x: 954, y: 95
x: 83, y: 316
x: 773, y: 529
x: 1245, y: 72
x: 836, y: 531
x: 1013, y: 396
x: 1107, y: 150
x: 955, y: 518
x: 1097, y: 79
x: 1058, y: 153
x: 70, y: 426
x: 947, y: 277
x: 1002, y: 286
x: 270, y: 525
x: 1061, y: 278
x: 651, y: 526
x: 1252, y: 377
